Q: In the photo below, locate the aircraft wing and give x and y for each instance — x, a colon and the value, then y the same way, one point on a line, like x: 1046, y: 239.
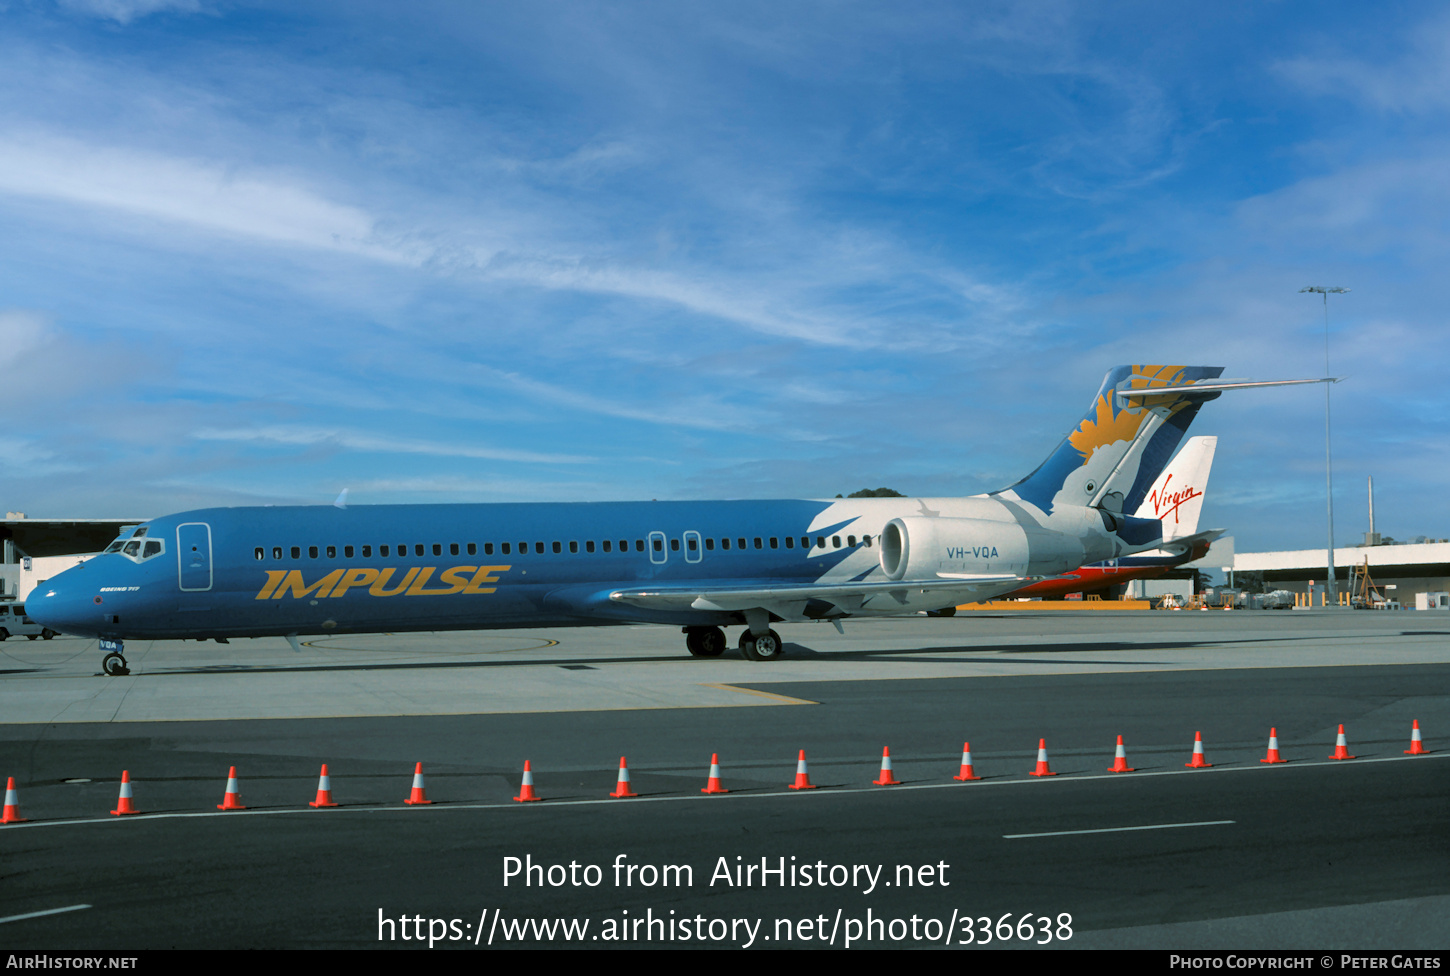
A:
x: 788, y: 600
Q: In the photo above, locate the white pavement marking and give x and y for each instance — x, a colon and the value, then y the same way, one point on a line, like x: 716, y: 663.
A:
x: 1117, y: 830
x: 48, y: 911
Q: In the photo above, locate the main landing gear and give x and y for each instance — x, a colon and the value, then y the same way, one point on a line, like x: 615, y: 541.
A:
x: 761, y: 647
x: 710, y: 642
x: 705, y: 641
x: 114, y: 664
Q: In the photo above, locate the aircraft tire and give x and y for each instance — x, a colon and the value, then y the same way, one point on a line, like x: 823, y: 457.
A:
x: 705, y: 641
x: 766, y: 647
x: 114, y: 665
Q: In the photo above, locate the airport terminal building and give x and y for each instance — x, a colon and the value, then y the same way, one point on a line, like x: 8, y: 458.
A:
x: 1400, y: 569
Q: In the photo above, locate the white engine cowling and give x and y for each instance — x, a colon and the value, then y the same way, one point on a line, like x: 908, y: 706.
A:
x: 921, y: 548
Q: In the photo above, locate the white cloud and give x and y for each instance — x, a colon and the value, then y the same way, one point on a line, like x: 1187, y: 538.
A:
x: 125, y: 11
x: 316, y: 436
x: 204, y: 194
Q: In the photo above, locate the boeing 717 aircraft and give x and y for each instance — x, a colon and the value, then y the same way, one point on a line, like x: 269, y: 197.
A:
x: 221, y: 573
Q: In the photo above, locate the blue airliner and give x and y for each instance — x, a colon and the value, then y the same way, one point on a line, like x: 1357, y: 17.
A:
x: 220, y: 573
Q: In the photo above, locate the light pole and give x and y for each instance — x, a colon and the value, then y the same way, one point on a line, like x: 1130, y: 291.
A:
x: 1332, y: 593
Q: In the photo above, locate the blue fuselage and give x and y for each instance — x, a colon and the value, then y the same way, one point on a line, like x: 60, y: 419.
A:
x: 237, y: 572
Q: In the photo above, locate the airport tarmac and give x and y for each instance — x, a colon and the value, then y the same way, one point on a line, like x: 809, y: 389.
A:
x: 1313, y: 853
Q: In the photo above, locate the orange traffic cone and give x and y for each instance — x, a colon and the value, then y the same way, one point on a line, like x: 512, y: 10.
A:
x: 802, y: 775
x: 1042, y: 769
x: 1198, y: 761
x: 123, y: 805
x: 526, y: 788
x: 621, y: 787
x: 324, y: 790
x: 12, y: 804
x: 886, y: 778
x: 712, y: 784
x: 966, y: 772
x: 1273, y: 756
x: 419, y: 796
x: 1341, y: 747
x: 1120, y: 760
x: 233, y: 798
x: 1416, y: 747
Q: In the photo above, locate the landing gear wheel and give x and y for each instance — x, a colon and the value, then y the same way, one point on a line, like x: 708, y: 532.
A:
x: 705, y: 641
x: 47, y: 634
x: 114, y: 665
x: 766, y: 647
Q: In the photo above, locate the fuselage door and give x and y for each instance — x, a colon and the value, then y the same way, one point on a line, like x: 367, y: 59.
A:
x: 658, y: 552
x: 693, y: 553
x: 193, y: 554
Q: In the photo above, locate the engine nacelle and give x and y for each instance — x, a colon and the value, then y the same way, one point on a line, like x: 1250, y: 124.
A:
x: 920, y: 548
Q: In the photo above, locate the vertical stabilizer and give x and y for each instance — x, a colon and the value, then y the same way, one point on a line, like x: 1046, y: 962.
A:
x: 1111, y: 459
x: 1176, y: 498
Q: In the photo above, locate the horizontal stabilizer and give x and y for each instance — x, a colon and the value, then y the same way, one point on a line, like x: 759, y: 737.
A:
x: 1188, y: 543
x: 1153, y: 394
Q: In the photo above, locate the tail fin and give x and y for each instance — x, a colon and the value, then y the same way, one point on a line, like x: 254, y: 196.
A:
x: 1177, y: 496
x: 1113, y: 456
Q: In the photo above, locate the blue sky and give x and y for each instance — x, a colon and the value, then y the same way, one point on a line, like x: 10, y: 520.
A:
x: 255, y: 253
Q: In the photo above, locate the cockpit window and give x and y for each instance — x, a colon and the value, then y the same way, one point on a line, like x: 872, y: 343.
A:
x: 137, y: 548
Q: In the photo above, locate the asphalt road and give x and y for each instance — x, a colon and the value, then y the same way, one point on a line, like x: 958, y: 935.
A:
x: 1305, y: 838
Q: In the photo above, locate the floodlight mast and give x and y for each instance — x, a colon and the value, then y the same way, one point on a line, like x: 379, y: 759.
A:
x: 1332, y: 593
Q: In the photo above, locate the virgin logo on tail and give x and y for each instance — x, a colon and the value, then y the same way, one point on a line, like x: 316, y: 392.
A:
x: 1166, y: 501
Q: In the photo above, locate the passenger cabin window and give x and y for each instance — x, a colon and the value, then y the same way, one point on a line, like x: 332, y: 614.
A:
x: 505, y: 548
x: 851, y: 541
x: 724, y: 543
x: 418, y: 549
x: 790, y: 542
x: 539, y: 548
x: 674, y: 545
x: 774, y: 542
x: 606, y: 545
x: 276, y: 552
x: 558, y: 548
x: 296, y: 552
x: 438, y: 549
x: 261, y: 553
x: 709, y: 544
x: 758, y: 544
x: 472, y: 549
x: 312, y: 552
x: 367, y: 552
x: 588, y: 546
x: 487, y: 548
x: 332, y: 552
x: 347, y: 551
x: 453, y: 549
x: 835, y: 542
x: 383, y: 551
x: 659, y: 545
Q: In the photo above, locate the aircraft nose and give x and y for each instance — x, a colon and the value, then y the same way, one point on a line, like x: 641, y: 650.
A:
x: 65, y: 606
